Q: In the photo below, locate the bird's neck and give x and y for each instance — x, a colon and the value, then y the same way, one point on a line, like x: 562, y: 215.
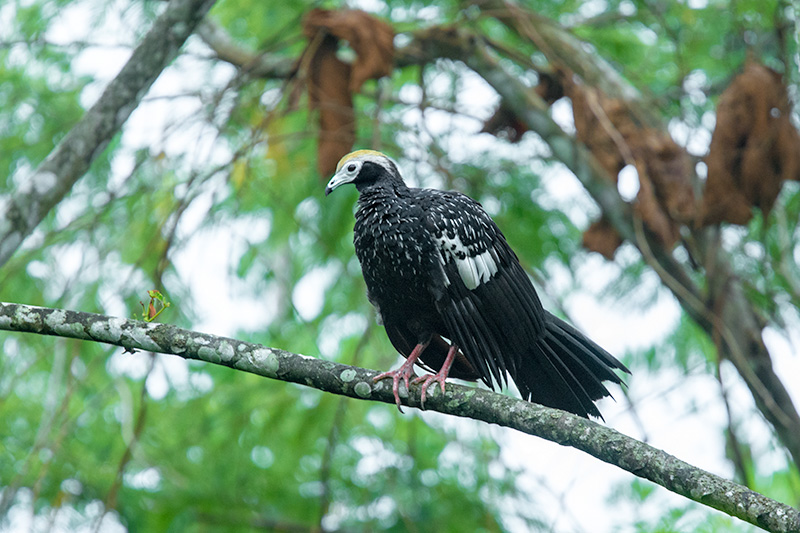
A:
x: 380, y: 192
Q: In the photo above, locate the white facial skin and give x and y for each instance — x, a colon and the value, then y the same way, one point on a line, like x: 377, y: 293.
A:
x: 351, y: 164
x: 346, y: 174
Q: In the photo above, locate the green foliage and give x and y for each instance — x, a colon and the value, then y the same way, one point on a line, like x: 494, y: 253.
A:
x: 175, y: 446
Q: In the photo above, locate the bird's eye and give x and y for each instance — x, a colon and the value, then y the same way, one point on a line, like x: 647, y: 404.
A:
x: 351, y: 167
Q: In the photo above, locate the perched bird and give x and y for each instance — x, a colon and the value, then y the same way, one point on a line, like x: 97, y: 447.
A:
x: 453, y: 297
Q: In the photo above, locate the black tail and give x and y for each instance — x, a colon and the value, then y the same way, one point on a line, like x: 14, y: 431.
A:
x: 567, y: 370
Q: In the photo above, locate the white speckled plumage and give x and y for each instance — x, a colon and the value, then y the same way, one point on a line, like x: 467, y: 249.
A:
x: 437, y: 267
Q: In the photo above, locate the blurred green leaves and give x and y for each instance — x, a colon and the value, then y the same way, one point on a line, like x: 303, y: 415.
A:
x: 226, y: 451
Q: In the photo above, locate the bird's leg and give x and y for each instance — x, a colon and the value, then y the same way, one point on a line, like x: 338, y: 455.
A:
x: 405, y: 371
x: 439, y: 377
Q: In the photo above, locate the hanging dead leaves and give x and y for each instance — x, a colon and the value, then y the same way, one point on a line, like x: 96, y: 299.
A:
x: 505, y: 123
x: 618, y: 138
x: 331, y: 82
x: 754, y: 149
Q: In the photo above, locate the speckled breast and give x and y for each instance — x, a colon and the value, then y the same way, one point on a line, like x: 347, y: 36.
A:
x: 394, y: 252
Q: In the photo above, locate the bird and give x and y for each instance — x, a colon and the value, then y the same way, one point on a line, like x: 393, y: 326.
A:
x: 454, y: 299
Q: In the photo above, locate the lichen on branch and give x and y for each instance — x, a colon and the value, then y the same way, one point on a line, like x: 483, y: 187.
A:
x: 558, y: 426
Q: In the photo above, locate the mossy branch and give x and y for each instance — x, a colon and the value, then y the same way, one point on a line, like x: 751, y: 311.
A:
x: 558, y: 426
x: 21, y: 212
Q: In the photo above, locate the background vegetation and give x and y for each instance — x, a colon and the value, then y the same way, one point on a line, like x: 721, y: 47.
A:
x: 213, y: 194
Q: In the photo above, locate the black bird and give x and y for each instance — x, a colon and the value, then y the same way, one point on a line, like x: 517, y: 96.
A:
x: 453, y: 297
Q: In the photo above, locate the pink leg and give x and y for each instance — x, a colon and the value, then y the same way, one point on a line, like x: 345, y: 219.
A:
x: 405, y: 371
x: 439, y: 377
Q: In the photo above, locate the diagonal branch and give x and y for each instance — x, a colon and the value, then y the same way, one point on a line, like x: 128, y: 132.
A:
x: 55, y: 176
x: 724, y: 313
x: 597, y: 440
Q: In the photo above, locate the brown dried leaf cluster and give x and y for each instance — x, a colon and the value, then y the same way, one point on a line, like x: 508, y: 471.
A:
x: 754, y: 148
x: 506, y: 123
x: 601, y: 237
x: 332, y: 82
x: 616, y: 139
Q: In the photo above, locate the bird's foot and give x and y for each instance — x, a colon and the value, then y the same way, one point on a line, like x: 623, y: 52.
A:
x: 405, y: 372
x: 427, y: 381
x: 438, y: 377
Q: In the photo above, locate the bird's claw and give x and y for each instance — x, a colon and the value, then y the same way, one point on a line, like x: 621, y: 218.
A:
x: 427, y: 381
x: 404, y: 372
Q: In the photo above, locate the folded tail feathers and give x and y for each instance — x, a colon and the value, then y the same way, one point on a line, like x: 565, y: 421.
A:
x: 567, y: 370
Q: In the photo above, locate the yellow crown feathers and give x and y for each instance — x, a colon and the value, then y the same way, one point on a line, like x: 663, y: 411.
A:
x: 358, y: 153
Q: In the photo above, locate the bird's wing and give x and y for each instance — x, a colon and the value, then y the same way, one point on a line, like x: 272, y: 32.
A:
x: 492, y: 312
x: 485, y: 298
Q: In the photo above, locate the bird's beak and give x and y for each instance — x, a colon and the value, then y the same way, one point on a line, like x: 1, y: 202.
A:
x: 340, y: 178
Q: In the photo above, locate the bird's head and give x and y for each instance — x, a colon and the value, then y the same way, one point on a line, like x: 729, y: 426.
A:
x: 363, y: 168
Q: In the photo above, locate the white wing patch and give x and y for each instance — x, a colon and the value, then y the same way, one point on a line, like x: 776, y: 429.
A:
x: 474, y: 269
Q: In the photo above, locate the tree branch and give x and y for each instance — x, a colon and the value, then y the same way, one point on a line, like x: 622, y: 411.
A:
x: 558, y: 426
x: 251, y: 65
x: 725, y: 313
x: 55, y: 176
